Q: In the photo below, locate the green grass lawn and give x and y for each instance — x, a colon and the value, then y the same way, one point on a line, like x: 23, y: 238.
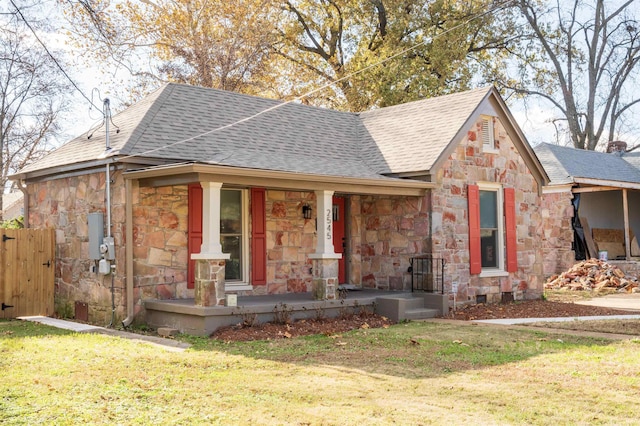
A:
x: 414, y: 373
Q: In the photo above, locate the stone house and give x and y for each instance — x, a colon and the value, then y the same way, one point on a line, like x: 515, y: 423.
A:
x: 208, y: 193
x: 593, y: 198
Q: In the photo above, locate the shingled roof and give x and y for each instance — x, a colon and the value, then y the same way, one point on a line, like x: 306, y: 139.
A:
x: 566, y: 165
x: 181, y: 123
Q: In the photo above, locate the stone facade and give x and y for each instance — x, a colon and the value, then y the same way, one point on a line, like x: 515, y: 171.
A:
x: 469, y: 164
x: 290, y: 240
x: 556, y: 232
x: 385, y: 233
x: 64, y: 204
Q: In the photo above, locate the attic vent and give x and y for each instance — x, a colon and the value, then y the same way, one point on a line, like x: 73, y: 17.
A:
x: 487, y: 133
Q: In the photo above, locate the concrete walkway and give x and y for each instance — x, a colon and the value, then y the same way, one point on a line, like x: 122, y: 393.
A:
x: 167, y: 344
x: 628, y: 302
x: 514, y: 321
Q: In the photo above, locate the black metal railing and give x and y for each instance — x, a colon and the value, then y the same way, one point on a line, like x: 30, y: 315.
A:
x: 427, y: 274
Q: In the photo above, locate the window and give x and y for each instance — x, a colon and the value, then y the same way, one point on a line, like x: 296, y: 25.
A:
x: 492, y: 230
x: 491, y: 241
x: 233, y: 233
x: 486, y: 134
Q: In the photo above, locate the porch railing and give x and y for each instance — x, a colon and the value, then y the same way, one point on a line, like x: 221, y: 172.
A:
x: 427, y: 274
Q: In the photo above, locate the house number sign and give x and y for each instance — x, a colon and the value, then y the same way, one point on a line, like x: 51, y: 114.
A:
x: 329, y: 222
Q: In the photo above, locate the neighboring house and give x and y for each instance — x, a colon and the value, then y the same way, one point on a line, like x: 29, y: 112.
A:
x: 604, y: 190
x: 215, y: 192
x: 12, y: 205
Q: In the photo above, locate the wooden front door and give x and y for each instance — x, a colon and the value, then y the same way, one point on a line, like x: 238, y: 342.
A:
x: 27, y: 272
x: 339, y: 241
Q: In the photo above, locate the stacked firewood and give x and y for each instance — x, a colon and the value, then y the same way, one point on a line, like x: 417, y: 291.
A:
x: 594, y: 275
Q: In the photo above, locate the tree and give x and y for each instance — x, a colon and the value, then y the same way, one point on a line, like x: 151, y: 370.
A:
x: 582, y: 57
x: 210, y: 43
x: 32, y: 98
x: 377, y: 53
x: 286, y: 48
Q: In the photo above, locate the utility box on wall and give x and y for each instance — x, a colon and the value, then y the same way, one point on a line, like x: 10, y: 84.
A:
x: 96, y: 234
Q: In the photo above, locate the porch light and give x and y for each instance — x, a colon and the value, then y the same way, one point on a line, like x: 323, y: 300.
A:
x: 307, y: 211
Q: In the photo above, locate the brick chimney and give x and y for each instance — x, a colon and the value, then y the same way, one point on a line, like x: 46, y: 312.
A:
x: 617, y: 146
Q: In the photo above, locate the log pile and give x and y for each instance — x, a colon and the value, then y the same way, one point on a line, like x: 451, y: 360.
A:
x: 593, y: 275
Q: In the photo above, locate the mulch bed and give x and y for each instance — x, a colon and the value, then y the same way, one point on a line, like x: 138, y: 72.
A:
x: 332, y: 326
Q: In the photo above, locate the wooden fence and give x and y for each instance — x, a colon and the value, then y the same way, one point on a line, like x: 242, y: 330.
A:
x: 27, y: 272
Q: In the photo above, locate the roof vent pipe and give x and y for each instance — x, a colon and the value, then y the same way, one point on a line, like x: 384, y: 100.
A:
x: 616, y: 146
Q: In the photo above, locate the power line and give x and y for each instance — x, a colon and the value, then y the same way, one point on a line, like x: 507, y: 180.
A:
x: 50, y: 54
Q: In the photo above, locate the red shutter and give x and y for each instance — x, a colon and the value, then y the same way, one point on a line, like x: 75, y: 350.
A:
x: 194, y: 230
x: 510, y: 229
x: 475, y: 256
x: 258, y: 237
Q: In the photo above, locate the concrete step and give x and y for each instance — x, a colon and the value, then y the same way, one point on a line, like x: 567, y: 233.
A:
x: 414, y: 303
x: 423, y: 313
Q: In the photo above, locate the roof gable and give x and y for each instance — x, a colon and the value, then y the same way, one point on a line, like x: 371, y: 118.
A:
x: 422, y: 129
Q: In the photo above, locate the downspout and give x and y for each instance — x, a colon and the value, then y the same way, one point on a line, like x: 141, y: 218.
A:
x: 129, y: 252
x: 25, y: 202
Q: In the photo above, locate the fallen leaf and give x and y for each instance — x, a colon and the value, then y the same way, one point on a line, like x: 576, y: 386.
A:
x: 364, y: 326
x: 341, y: 343
x: 457, y: 341
x: 414, y: 342
x: 335, y: 336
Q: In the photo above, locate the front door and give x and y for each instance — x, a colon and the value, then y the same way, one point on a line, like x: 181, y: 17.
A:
x: 339, y: 242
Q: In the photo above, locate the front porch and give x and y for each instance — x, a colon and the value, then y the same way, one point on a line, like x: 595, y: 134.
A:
x: 187, y: 318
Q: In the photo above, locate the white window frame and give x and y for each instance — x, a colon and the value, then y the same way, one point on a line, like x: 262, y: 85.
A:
x: 500, y: 271
x: 244, y: 255
x: 488, y: 139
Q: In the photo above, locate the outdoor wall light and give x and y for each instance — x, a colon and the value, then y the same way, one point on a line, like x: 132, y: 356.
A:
x: 307, y: 211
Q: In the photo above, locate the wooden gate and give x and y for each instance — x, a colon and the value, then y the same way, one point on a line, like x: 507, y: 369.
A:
x: 27, y: 272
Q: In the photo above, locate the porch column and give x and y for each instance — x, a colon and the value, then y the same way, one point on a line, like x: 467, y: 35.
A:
x: 627, y: 234
x: 210, y: 262
x: 325, y: 259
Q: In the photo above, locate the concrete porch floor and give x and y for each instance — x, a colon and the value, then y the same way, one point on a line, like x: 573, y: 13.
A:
x: 184, y: 316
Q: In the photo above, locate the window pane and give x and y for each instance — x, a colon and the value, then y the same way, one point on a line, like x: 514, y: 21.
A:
x: 488, y: 209
x: 489, y: 247
x: 230, y: 212
x: 233, y: 246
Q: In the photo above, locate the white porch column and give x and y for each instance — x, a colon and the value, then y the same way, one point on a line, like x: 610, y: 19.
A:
x: 211, y: 247
x: 325, y: 259
x: 210, y: 262
x: 324, y: 245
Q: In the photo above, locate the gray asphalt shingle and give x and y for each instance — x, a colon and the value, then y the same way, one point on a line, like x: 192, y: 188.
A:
x: 187, y: 123
x: 563, y: 164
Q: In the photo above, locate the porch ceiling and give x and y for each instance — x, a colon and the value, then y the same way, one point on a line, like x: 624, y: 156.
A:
x: 181, y: 174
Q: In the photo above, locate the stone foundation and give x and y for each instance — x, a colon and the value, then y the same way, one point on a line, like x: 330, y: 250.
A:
x: 325, y: 279
x: 209, y: 282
